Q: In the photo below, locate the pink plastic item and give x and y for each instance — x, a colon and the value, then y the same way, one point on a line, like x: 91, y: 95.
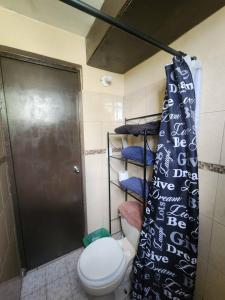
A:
x: 132, y: 211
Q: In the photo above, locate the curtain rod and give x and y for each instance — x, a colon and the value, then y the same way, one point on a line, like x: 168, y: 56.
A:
x: 127, y: 28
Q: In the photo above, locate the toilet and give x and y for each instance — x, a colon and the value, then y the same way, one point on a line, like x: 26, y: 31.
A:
x: 103, y: 264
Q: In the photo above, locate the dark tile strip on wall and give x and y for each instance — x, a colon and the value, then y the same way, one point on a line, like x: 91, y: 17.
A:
x: 94, y: 151
x: 211, y: 167
x: 202, y: 165
x: 99, y: 151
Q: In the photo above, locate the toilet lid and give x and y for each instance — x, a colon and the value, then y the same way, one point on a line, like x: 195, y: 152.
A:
x: 101, y: 259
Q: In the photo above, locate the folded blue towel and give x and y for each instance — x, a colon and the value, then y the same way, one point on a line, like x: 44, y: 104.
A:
x: 136, y: 185
x: 137, y: 153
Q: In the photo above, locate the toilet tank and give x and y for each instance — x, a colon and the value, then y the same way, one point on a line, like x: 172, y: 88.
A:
x: 130, y: 232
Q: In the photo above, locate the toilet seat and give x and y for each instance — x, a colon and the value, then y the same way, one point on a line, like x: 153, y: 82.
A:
x: 102, y: 264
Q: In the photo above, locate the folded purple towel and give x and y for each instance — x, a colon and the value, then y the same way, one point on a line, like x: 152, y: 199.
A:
x: 137, y: 153
x: 135, y: 185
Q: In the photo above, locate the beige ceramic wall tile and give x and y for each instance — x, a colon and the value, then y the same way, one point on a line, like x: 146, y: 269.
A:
x: 112, y: 108
x: 101, y: 113
x: 217, y: 251
x: 215, y: 285
x: 96, y: 193
x: 93, y: 167
x: 92, y: 107
x: 110, y: 127
x: 118, y: 109
x: 222, y: 158
x: 104, y: 158
x: 117, y: 140
x: 200, y: 279
x: 212, y: 98
x: 107, y: 127
x: 105, y: 203
x: 207, y: 191
x: 135, y: 104
x: 107, y: 102
x: 155, y: 96
x: 210, y: 136
x: 205, y: 229
x: 93, y: 135
x: 220, y: 200
x: 116, y: 166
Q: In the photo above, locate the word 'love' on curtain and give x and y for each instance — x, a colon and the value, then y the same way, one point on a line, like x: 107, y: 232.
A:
x: 166, y: 260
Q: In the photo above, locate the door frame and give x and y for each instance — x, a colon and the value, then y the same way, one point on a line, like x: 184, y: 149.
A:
x: 17, y: 54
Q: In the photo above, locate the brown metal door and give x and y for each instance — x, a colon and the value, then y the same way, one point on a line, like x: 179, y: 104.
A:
x: 43, y: 116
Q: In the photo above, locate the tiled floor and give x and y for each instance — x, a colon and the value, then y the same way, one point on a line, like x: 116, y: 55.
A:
x: 58, y: 280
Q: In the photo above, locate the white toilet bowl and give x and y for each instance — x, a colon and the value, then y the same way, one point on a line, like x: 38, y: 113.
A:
x: 103, y: 264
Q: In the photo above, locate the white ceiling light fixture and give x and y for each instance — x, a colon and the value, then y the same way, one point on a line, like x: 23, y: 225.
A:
x: 106, y: 80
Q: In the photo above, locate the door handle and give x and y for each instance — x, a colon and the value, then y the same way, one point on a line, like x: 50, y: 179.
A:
x: 76, y: 169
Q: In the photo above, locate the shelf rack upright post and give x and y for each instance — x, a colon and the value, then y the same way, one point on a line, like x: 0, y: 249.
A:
x: 126, y: 161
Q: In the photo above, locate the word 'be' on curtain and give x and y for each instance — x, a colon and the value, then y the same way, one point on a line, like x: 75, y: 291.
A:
x: 166, y: 260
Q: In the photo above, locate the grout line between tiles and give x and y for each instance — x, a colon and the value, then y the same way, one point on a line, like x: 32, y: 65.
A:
x: 215, y: 221
x: 210, y: 112
x: 57, y: 278
x: 223, y: 138
x: 210, y: 239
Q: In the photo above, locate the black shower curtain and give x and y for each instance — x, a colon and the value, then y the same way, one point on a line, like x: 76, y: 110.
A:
x: 166, y: 260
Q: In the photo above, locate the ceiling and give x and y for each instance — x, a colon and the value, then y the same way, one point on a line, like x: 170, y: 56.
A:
x: 111, y: 49
x: 55, y: 13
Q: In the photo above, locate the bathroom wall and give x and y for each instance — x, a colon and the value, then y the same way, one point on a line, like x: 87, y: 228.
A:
x: 9, y: 258
x: 102, y: 113
x: 144, y: 91
x: 102, y: 106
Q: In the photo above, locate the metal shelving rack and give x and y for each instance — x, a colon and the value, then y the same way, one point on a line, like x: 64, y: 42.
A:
x: 128, y: 161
